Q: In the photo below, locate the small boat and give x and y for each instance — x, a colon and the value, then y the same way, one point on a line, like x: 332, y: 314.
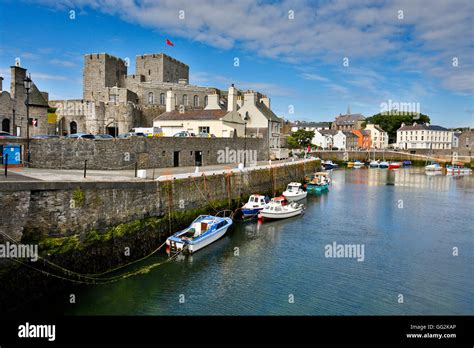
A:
x: 281, y: 208
x: 358, y: 164
x: 374, y: 164
x: 395, y: 165
x: 350, y: 164
x: 457, y: 169
x: 294, y: 192
x: 254, y: 205
x: 433, y: 167
x: 407, y: 163
x: 328, y: 165
x: 383, y: 164
x: 204, y: 230
x: 319, y: 183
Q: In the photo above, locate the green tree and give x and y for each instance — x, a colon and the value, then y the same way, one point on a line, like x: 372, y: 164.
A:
x: 393, y: 121
x: 300, y: 138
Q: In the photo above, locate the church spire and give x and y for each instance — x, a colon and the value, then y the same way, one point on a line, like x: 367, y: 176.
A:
x: 348, y: 109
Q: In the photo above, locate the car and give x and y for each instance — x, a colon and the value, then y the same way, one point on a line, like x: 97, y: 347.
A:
x: 81, y: 136
x: 45, y: 137
x: 6, y: 135
x: 205, y: 135
x: 131, y: 134
x: 103, y: 137
x: 184, y: 134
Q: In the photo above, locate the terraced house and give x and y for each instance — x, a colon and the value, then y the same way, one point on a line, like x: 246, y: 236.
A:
x: 424, y: 136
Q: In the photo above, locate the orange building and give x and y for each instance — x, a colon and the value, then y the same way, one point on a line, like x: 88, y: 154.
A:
x: 363, y: 138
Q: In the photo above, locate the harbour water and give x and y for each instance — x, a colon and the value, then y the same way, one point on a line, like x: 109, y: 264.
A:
x: 408, y: 223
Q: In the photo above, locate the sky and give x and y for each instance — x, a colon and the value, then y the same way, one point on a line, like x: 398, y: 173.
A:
x: 314, y: 59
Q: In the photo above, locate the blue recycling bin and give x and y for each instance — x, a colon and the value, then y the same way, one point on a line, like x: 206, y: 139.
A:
x: 14, y: 154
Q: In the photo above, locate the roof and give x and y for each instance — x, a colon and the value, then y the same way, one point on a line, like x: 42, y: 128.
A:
x: 350, y: 134
x: 37, y: 98
x: 269, y: 114
x: 349, y: 119
x: 365, y: 132
x: 311, y: 124
x: 328, y: 131
x: 424, y: 126
x: 175, y: 115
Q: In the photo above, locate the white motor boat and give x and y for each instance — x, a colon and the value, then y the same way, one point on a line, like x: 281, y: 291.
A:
x: 204, y: 230
x: 294, y: 192
x: 357, y: 164
x: 374, y: 164
x: 433, y: 167
x: 254, y: 205
x: 458, y: 170
x: 280, y: 208
x: 383, y: 164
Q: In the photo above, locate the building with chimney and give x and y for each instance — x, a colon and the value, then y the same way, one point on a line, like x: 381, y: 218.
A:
x: 378, y: 137
x: 348, y: 122
x: 424, y: 136
x: 13, y: 106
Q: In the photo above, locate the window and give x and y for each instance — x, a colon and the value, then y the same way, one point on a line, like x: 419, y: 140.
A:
x: 204, y: 129
x: 196, y: 101
x: 162, y: 99
x: 150, y: 98
x: 185, y: 99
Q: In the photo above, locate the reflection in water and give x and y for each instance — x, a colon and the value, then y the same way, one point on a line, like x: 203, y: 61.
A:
x: 254, y: 268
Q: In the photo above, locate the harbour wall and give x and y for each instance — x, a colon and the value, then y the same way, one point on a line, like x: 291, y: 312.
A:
x: 147, y: 152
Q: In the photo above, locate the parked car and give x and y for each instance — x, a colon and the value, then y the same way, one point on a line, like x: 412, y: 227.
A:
x: 205, y: 135
x: 6, y: 135
x: 45, y: 137
x: 131, y: 134
x: 81, y: 136
x: 103, y: 137
x: 184, y: 134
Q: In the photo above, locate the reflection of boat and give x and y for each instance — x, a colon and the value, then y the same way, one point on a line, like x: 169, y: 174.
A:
x: 254, y: 205
x: 280, y: 208
x: 358, y: 164
x: 329, y: 165
x: 458, y: 170
x: 319, y: 183
x: 204, y: 230
x: 434, y: 166
x: 294, y: 192
x: 395, y: 165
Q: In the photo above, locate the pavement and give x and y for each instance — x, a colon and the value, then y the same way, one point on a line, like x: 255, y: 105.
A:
x: 24, y: 174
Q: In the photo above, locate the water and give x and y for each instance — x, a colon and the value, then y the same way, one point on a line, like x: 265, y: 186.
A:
x: 408, y: 223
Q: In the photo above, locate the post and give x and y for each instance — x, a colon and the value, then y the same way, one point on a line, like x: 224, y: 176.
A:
x: 245, y: 144
x: 6, y: 165
x: 28, y: 157
x: 85, y: 168
x: 136, y: 168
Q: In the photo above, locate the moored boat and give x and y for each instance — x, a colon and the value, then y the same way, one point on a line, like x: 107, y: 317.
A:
x: 383, y: 164
x: 294, y: 192
x: 374, y: 164
x: 433, y: 167
x: 395, y: 165
x: 358, y: 164
x: 458, y: 170
x: 407, y: 163
x: 254, y: 205
x: 319, y: 183
x: 204, y: 230
x: 281, y: 208
x: 350, y: 164
x: 328, y: 165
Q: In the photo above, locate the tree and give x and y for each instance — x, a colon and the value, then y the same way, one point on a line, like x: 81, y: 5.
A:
x: 393, y: 121
x: 300, y: 138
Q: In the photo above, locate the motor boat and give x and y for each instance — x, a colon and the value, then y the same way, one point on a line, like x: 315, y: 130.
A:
x: 254, y: 205
x: 374, y: 164
x: 281, y: 208
x: 358, y: 164
x: 383, y: 164
x: 328, y: 165
x: 319, y: 182
x: 407, y: 163
x: 433, y: 167
x: 294, y: 192
x: 458, y: 170
x: 204, y: 230
x: 395, y: 165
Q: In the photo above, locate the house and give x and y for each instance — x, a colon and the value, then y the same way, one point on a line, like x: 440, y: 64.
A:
x: 378, y: 136
x: 324, y: 138
x: 213, y: 119
x: 348, y: 122
x: 424, y: 136
x: 310, y: 126
x: 345, y: 140
x: 260, y: 119
x: 363, y: 138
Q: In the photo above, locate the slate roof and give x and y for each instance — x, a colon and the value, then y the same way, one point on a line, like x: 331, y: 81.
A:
x: 269, y: 114
x: 422, y: 127
x: 349, y: 119
x: 350, y: 135
x: 175, y: 115
x: 36, y: 97
x: 328, y: 131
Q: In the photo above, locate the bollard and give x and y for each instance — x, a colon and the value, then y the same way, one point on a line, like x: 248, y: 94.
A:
x: 6, y: 164
x: 136, y: 169
x: 85, y: 168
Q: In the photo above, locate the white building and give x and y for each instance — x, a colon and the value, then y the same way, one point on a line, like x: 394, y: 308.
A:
x: 324, y: 138
x: 214, y: 119
x: 378, y: 136
x: 424, y: 136
x: 310, y: 126
x: 344, y: 140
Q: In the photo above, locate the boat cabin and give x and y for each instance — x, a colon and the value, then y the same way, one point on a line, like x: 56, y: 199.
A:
x: 293, y: 187
x: 257, y: 199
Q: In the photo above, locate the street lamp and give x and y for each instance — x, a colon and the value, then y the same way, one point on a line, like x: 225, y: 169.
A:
x: 246, y: 118
x: 27, y: 82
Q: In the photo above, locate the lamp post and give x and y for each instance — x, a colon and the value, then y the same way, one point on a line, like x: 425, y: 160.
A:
x: 246, y: 118
x: 27, y: 82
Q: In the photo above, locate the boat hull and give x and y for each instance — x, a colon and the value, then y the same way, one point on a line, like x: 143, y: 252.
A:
x: 317, y: 188
x: 295, y: 197
x: 285, y: 215
x: 248, y: 212
x: 195, y: 246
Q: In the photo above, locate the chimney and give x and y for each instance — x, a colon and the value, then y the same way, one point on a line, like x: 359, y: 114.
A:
x: 265, y: 100
x: 1, y: 84
x: 18, y: 75
x: 170, y: 101
x: 213, y: 102
x: 250, y: 97
x: 232, y: 99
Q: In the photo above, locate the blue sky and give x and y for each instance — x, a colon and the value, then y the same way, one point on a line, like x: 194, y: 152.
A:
x: 293, y: 51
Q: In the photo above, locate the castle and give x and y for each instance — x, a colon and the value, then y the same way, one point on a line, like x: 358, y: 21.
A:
x: 114, y: 102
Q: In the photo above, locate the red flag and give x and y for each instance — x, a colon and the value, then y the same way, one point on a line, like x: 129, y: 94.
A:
x: 168, y: 42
